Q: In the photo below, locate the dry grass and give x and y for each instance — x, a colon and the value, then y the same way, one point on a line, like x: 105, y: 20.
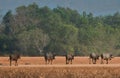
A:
x: 60, y: 72
x: 34, y: 67
x: 59, y: 61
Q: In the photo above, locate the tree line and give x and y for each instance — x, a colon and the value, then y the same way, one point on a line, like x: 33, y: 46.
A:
x: 33, y: 30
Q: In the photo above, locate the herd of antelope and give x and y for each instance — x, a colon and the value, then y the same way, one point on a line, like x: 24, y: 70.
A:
x: 49, y: 57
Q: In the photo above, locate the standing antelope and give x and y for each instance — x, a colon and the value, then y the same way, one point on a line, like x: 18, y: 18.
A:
x: 15, y: 58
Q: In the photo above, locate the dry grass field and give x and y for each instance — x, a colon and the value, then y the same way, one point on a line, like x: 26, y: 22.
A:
x: 34, y: 67
x: 4, y: 61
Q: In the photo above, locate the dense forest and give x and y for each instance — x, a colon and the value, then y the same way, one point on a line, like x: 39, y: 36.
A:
x: 33, y: 30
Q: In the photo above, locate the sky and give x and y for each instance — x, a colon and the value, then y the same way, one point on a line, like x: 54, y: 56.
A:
x: 97, y: 7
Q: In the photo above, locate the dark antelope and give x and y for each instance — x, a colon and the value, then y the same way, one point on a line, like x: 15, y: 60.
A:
x: 69, y: 58
x: 106, y: 56
x: 15, y: 58
x: 93, y: 57
x: 49, y: 57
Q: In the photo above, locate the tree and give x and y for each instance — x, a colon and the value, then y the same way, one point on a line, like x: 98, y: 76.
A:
x: 68, y: 15
x: 32, y: 42
x: 68, y: 38
x: 7, y: 22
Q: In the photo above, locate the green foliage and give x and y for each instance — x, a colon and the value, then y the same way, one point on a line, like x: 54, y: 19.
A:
x: 34, y: 30
x: 32, y: 41
x: 7, y: 20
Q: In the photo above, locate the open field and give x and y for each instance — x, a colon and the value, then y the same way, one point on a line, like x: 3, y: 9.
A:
x: 60, y: 72
x: 4, y: 61
x: 34, y: 67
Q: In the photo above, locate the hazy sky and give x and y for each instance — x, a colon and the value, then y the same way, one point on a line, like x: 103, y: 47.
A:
x: 97, y: 7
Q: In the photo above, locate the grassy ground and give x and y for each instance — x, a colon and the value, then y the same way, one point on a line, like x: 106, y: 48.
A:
x: 34, y: 67
x: 59, y: 60
x: 60, y: 72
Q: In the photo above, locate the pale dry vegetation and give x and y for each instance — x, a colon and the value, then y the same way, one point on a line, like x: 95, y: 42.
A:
x: 60, y: 72
x: 34, y: 67
x: 58, y: 60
